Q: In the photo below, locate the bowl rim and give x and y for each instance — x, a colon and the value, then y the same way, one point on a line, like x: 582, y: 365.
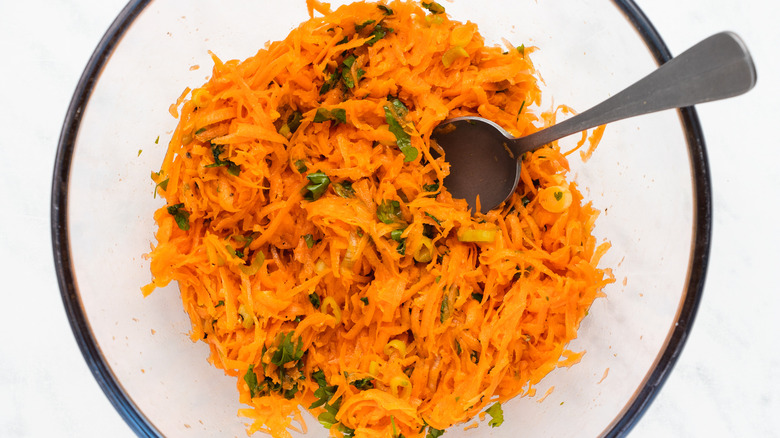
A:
x: 142, y: 426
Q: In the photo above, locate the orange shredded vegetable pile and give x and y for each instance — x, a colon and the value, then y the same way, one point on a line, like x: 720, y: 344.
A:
x: 318, y: 253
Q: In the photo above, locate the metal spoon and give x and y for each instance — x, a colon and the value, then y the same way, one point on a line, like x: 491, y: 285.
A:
x: 484, y: 159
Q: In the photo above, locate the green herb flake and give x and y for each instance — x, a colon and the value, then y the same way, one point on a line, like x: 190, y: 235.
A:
x: 434, y: 433
x: 431, y: 187
x: 325, y: 392
x: 393, y: 115
x: 346, y: 431
x: 401, y: 248
x: 232, y: 168
x: 364, y: 300
x: 300, y: 166
x: 293, y: 121
x: 327, y: 419
x: 251, y: 381
x: 338, y: 115
x: 558, y: 195
x: 497, y: 415
x: 477, y: 296
x: 444, y: 312
x: 435, y: 219
x: 344, y: 189
x: 157, y: 140
x: 522, y: 105
x: 379, y: 32
x: 162, y: 184
x: 319, y: 183
x: 363, y: 384
x: 363, y: 25
x: 346, y: 77
x: 433, y: 7
x: 220, y: 303
x: 389, y: 211
x: 180, y: 215
x: 309, y: 239
x: 287, y: 351
x: 521, y: 50
x: 525, y: 201
x: 385, y: 9
x: 330, y: 83
x: 315, y: 300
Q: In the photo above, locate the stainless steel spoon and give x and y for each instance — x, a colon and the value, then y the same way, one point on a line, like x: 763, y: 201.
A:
x: 484, y: 159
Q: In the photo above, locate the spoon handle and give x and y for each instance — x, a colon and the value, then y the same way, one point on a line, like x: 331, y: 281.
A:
x: 716, y: 68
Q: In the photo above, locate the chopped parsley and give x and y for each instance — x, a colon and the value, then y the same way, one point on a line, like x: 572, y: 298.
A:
x: 435, y: 219
x: 431, y: 187
x: 251, y: 380
x: 379, y: 32
x: 363, y: 384
x: 361, y: 26
x: 434, y: 433
x: 394, y: 114
x: 162, y: 184
x: 287, y: 351
x: 324, y: 394
x: 232, y: 168
x: 180, y: 215
x: 346, y: 73
x: 496, y: 414
x: 315, y: 300
x: 309, y: 239
x: 385, y: 9
x: 338, y: 115
x: 330, y: 83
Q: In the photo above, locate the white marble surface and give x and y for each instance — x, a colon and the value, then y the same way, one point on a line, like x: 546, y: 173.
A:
x: 724, y: 384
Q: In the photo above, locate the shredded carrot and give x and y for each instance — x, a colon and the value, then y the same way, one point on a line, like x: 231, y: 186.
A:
x: 546, y: 394
x: 321, y: 258
x: 606, y: 373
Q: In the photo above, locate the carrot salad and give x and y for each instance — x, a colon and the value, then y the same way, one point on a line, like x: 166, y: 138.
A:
x: 320, y: 256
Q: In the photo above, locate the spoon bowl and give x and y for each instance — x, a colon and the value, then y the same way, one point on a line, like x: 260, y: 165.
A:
x: 483, y: 157
x: 491, y: 165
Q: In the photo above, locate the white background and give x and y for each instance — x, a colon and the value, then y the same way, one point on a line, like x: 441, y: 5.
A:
x: 724, y: 384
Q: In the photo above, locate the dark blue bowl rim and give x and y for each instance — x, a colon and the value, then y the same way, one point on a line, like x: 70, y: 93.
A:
x: 702, y: 198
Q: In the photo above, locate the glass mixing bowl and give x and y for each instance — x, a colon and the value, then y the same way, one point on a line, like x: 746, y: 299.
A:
x: 649, y: 177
